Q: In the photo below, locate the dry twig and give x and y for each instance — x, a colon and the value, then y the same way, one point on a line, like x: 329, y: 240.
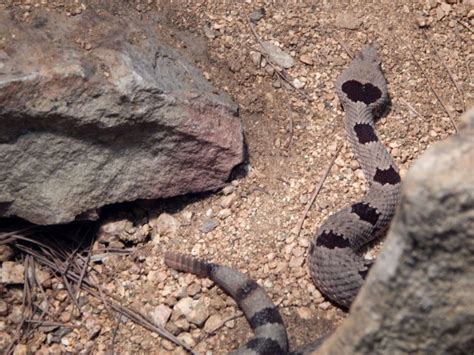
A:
x: 406, y: 103
x: 451, y: 76
x: 277, y: 70
x: 114, y: 335
x: 316, y: 191
x: 58, y: 259
x: 225, y: 320
x: 430, y: 85
x: 465, y: 26
x: 346, y: 48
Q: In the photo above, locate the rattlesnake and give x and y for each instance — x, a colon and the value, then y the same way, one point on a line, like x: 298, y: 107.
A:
x: 336, y: 263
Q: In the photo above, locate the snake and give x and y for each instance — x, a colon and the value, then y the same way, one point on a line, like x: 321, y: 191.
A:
x: 335, y: 257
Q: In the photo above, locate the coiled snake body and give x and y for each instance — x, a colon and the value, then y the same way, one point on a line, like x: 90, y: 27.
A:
x: 337, y: 267
x: 336, y: 263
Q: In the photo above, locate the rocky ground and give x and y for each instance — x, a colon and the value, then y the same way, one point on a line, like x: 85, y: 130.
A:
x: 293, y: 128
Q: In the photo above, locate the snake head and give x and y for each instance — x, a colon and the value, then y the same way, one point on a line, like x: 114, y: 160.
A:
x: 362, y: 83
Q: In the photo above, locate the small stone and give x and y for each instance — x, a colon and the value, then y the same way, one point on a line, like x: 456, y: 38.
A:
x: 271, y: 256
x: 61, y: 295
x: 440, y: 14
x: 230, y: 323
x: 296, y: 261
x: 223, y: 214
x: 94, y: 332
x: 325, y: 305
x: 5, y: 252
x: 340, y: 162
x: 217, y: 303
x: 187, y: 216
x: 194, y: 289
x: 303, y: 243
x: 348, y: 21
x: 256, y: 58
x: 306, y: 59
x: 228, y: 189
x: 184, y: 306
x: 3, y: 308
x: 395, y: 152
x: 446, y: 8
x: 156, y: 276
x: 431, y: 4
x: 182, y: 324
x: 354, y: 165
x: 116, y: 244
x: 5, y: 340
x: 278, y: 56
x: 12, y: 272
x: 298, y: 251
x: 298, y: 83
x: 360, y: 174
x: 268, y: 284
x: 212, y: 323
x: 165, y: 224
x: 421, y: 22
x: 228, y: 200
x: 257, y: 15
x: 65, y: 317
x: 209, y: 32
x: 111, y: 230
x: 161, y: 314
x: 187, y: 339
x: 43, y: 277
x: 305, y: 313
x: 199, y: 313
x: 167, y: 345
x: 208, y: 225
x: 21, y: 349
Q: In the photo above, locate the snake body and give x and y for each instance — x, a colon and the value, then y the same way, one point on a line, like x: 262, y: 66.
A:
x: 336, y: 264
x: 337, y: 267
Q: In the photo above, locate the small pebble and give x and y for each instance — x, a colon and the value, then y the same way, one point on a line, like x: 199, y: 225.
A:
x: 257, y: 15
x: 161, y: 314
x: 307, y: 59
x: 223, y: 214
x: 212, y: 323
x: 209, y: 225
x: 325, y: 305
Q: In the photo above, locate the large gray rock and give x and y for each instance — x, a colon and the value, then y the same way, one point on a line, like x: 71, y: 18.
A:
x: 419, y: 297
x: 97, y: 109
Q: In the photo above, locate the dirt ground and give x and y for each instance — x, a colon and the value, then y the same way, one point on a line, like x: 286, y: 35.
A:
x: 426, y: 50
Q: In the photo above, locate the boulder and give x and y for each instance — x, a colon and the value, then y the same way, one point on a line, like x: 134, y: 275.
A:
x: 418, y: 297
x: 97, y: 109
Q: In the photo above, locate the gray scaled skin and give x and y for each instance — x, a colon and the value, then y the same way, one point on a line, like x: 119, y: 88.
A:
x: 262, y: 315
x: 336, y: 264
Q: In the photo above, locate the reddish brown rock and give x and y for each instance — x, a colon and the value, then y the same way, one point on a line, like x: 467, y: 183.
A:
x: 99, y: 109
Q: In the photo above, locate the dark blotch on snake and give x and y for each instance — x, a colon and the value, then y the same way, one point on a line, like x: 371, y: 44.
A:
x: 363, y: 273
x: 332, y: 240
x: 365, y: 133
x: 389, y: 176
x: 356, y: 91
x: 265, y: 316
x: 245, y: 290
x: 265, y: 346
x: 365, y: 212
